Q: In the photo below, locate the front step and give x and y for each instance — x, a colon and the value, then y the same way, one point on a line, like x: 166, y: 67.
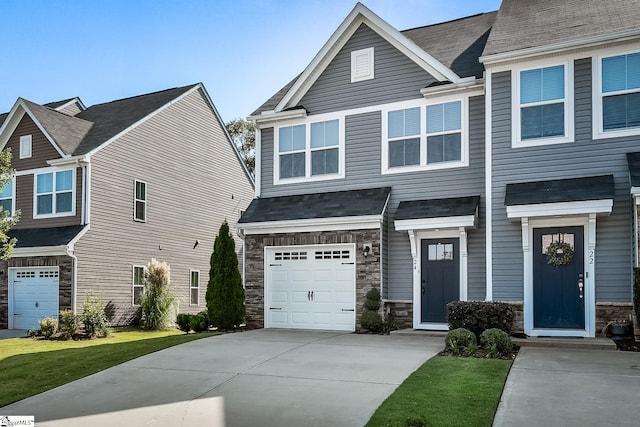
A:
x: 563, y: 342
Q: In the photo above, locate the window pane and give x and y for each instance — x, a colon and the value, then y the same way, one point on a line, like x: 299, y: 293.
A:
x: 324, y: 161
x: 44, y: 204
x: 553, y: 83
x: 285, y: 142
x: 299, y: 137
x: 404, y: 153
x: 292, y: 165
x: 138, y: 276
x: 633, y: 71
x: 137, y: 295
x: 530, y: 86
x: 139, y: 214
x: 63, y: 202
x: 324, y: 134
x: 614, y: 73
x: 317, y: 135
x: 404, y: 123
x: 435, y: 118
x: 195, y: 279
x: 396, y: 124
x: 542, y: 121
x: 7, y: 190
x: 452, y: 118
x: 6, y: 205
x: 45, y: 183
x: 435, y: 149
x: 141, y: 190
x: 194, y: 296
x: 64, y: 180
x: 452, y: 147
x: 621, y: 111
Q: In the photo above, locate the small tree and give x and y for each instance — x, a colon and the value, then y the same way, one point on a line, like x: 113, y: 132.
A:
x: 159, y: 303
x: 243, y: 134
x: 6, y: 220
x: 225, y: 295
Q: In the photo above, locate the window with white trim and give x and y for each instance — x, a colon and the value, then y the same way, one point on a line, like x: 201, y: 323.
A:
x: 25, y: 146
x: 138, y: 284
x: 309, y: 151
x: 432, y: 136
x: 54, y: 195
x: 620, y: 92
x: 140, y: 201
x: 194, y: 287
x: 542, y: 106
x: 7, y: 201
x: 362, y: 65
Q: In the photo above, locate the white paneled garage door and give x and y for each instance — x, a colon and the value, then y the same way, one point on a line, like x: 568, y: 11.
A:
x: 33, y: 295
x: 310, y: 287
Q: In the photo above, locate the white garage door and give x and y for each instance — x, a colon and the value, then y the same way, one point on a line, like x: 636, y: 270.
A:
x: 33, y: 296
x: 310, y: 287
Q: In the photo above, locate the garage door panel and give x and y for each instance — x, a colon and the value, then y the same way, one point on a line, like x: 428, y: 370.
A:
x: 300, y: 275
x: 280, y: 318
x: 279, y: 275
x: 300, y: 318
x: 34, y: 296
x: 299, y: 296
x: 279, y: 296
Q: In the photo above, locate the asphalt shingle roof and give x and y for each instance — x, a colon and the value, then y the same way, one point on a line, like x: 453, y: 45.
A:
x: 36, y: 237
x: 437, y: 208
x: 370, y: 201
x: 57, y: 104
x: 560, y: 190
x: 524, y: 24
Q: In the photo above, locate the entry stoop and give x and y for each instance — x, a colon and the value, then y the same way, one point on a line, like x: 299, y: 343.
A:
x: 564, y: 342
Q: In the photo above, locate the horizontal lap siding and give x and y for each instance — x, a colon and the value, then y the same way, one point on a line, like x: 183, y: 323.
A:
x: 194, y: 182
x: 584, y: 157
x: 41, y: 148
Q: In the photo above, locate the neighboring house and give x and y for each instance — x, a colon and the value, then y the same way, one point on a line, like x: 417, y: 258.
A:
x: 416, y: 162
x: 104, y: 189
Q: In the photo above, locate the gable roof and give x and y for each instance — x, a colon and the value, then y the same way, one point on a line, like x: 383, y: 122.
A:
x: 448, y: 50
x: 560, y: 190
x: 437, y: 208
x: 525, y: 25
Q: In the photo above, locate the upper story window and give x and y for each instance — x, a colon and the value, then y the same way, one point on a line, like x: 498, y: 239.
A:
x: 542, y: 108
x: 425, y: 137
x: 362, y: 65
x: 140, y: 201
x: 25, y: 146
x: 312, y: 151
x: 7, y: 201
x: 54, y: 194
x: 618, y: 101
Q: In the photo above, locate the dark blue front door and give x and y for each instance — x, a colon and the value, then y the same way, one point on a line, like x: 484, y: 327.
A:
x: 440, y: 278
x: 557, y: 299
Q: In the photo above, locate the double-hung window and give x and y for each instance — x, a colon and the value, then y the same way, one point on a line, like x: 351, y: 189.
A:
x: 7, y: 201
x: 138, y: 284
x: 431, y: 136
x: 541, y: 105
x: 619, y: 98
x: 194, y: 287
x: 140, y: 201
x: 54, y: 194
x: 310, y: 151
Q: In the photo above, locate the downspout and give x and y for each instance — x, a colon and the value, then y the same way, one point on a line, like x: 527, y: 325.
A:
x: 74, y: 281
x: 84, y: 194
x: 88, y: 195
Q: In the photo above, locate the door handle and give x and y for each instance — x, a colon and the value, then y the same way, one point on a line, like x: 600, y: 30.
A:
x: 308, y: 295
x: 423, y: 290
x: 581, y: 286
x: 311, y: 295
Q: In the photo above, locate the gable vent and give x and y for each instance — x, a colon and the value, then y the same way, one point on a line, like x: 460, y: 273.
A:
x: 362, y: 65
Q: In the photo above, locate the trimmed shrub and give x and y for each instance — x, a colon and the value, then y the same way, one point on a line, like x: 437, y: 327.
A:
x: 183, y: 320
x: 225, y: 295
x: 372, y: 300
x: 68, y: 324
x: 496, y: 342
x: 199, y: 323
x: 159, y: 303
x: 461, y: 342
x: 478, y: 316
x: 371, y: 319
x: 93, y: 316
x: 48, y: 327
x: 205, y: 316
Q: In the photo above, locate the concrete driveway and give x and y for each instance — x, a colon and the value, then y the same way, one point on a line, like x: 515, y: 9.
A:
x: 257, y: 378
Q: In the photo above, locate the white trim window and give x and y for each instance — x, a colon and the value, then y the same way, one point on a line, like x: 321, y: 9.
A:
x: 310, y: 151
x: 617, y: 109
x: 194, y: 287
x: 54, y: 194
x: 137, y: 282
x: 25, y: 146
x: 424, y: 137
x: 362, y: 65
x: 7, y: 199
x: 542, y: 105
x: 140, y: 201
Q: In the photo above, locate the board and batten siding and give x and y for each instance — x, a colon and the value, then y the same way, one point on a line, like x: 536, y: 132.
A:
x: 584, y: 157
x: 363, y: 139
x: 194, y: 180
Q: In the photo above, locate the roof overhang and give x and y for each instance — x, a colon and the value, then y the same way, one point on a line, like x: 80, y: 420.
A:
x: 585, y: 207
x: 267, y: 117
x: 467, y: 221
x: 473, y: 87
x: 40, y: 251
x: 365, y: 222
x: 71, y: 160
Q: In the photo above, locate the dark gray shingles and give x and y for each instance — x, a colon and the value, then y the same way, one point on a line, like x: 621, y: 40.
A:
x: 524, y: 24
x: 335, y: 204
x: 633, y: 161
x: 437, y: 208
x: 271, y: 103
x: 53, y: 236
x: 3, y: 117
x: 57, y: 104
x: 560, y: 190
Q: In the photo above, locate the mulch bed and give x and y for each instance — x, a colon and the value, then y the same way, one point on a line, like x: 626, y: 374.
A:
x: 482, y: 354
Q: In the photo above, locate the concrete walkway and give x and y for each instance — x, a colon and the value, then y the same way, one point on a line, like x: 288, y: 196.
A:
x: 571, y: 387
x: 12, y: 333
x: 255, y: 378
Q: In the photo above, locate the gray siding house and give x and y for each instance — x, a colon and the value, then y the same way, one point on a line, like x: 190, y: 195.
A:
x: 102, y: 190
x: 485, y: 158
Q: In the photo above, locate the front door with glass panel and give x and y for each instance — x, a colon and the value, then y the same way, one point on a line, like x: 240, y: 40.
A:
x: 558, y: 278
x: 440, y: 280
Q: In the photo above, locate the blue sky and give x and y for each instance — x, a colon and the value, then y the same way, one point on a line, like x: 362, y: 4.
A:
x: 242, y: 50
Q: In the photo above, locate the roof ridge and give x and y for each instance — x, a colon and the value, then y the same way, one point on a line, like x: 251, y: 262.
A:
x: 53, y: 110
x: 449, y: 22
x: 145, y: 94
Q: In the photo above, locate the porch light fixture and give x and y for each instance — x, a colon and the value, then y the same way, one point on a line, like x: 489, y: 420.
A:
x: 366, y: 249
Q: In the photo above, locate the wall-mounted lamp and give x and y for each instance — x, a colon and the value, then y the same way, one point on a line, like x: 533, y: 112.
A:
x: 366, y: 249
x: 196, y: 244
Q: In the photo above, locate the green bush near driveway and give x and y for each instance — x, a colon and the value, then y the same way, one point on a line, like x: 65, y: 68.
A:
x: 31, y: 366
x: 446, y: 391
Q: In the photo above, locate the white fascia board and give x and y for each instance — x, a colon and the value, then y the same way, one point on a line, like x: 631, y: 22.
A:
x: 469, y: 88
x: 312, y: 225
x: 271, y: 116
x: 39, y: 251
x: 359, y: 15
x: 71, y: 245
x: 18, y: 110
x: 432, y: 223
x: 635, y: 191
x: 603, y: 206
x: 72, y: 101
x: 75, y: 160
x: 584, y: 42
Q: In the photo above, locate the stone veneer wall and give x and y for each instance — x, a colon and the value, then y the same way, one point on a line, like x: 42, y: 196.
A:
x: 65, y: 281
x: 608, y: 311
x: 400, y: 312
x: 368, y: 273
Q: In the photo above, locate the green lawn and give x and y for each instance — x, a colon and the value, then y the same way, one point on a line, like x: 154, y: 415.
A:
x: 29, y: 366
x: 446, y: 391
